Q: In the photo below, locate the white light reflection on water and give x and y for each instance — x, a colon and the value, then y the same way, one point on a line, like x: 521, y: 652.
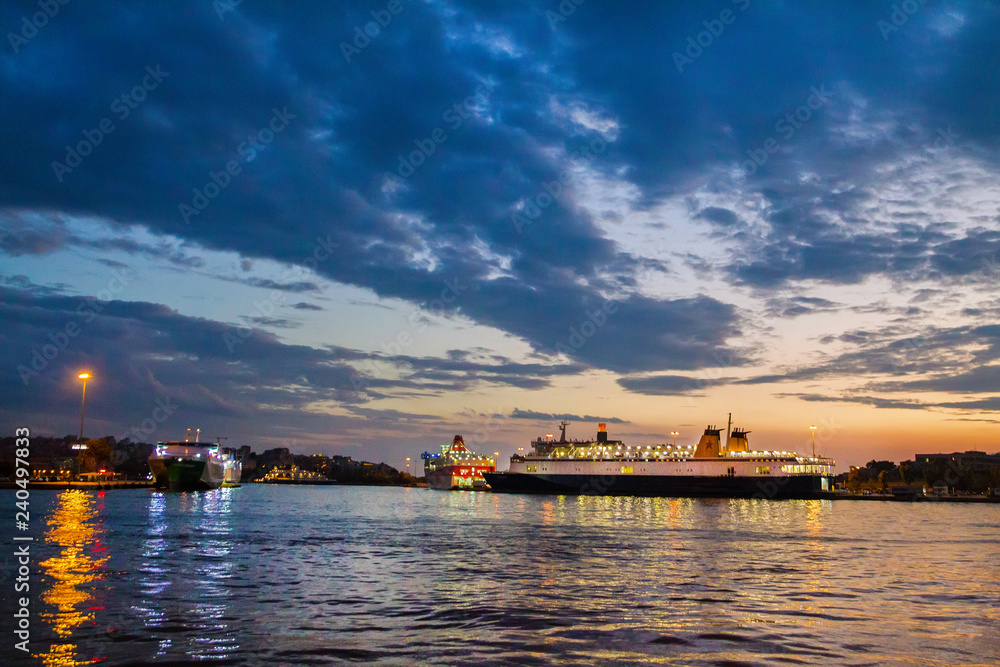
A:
x: 154, y: 577
x: 185, y: 570
x: 214, y: 570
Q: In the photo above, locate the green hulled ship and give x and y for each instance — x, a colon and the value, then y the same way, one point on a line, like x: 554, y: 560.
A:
x: 182, y: 466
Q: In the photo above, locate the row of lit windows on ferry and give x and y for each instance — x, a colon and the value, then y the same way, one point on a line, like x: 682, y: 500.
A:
x: 802, y: 468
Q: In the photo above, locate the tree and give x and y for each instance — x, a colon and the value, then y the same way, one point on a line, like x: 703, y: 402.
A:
x: 879, y: 466
x: 96, y: 456
x: 854, y: 481
x: 882, y: 477
x: 934, y: 472
x: 906, y: 472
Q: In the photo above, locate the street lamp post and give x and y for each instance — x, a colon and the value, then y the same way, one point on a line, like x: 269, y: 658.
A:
x: 813, y: 429
x: 674, y: 433
x: 83, y: 401
x: 407, y: 465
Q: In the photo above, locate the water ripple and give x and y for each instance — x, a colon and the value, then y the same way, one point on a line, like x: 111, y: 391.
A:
x: 334, y: 575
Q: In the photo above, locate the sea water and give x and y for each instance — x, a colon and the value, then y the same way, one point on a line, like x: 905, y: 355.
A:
x: 396, y: 576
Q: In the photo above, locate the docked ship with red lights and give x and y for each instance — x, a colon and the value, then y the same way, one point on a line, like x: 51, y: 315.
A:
x: 456, y: 467
x: 712, y: 468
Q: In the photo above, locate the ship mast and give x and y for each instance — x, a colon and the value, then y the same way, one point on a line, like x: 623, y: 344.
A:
x: 562, y: 431
x: 729, y: 431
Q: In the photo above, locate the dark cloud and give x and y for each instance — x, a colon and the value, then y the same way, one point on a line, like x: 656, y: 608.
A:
x: 793, y: 306
x: 298, y: 286
x: 518, y: 102
x: 276, y: 322
x: 669, y: 385
x: 29, y: 242
x: 975, y: 380
x: 960, y: 360
x: 34, y: 234
x: 316, y: 192
x: 518, y: 413
x: 943, y: 356
x: 875, y: 401
x: 462, y: 373
x: 23, y: 283
x: 302, y: 305
x: 114, y: 264
x: 719, y: 216
x: 218, y: 375
x: 378, y: 417
x: 991, y: 404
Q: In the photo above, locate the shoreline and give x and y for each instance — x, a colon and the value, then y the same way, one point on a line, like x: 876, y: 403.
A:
x: 136, y: 484
x: 139, y: 484
x: 84, y: 486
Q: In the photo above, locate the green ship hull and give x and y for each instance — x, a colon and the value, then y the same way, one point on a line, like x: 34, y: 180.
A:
x: 186, y: 475
x: 187, y: 467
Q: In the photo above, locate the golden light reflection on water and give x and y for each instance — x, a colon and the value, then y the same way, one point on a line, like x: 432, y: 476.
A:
x: 74, y: 527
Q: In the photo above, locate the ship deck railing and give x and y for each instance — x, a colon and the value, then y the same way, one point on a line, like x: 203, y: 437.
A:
x: 801, y: 460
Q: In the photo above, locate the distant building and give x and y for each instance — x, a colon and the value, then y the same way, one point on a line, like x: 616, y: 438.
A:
x: 970, y: 460
x: 273, y: 458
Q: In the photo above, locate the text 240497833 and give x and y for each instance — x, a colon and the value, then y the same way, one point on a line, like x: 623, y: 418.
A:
x: 22, y: 550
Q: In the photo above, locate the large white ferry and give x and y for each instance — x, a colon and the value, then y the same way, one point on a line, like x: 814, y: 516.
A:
x: 712, y: 468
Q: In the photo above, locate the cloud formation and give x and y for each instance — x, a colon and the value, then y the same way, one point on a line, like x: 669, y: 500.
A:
x: 564, y: 183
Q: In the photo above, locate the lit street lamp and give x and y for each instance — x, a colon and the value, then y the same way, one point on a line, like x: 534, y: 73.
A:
x: 407, y: 465
x: 813, y: 429
x: 674, y: 433
x: 83, y: 404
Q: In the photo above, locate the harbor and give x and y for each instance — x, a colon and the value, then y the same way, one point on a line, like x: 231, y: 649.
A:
x: 721, y: 464
x: 529, y: 334
x: 504, y: 578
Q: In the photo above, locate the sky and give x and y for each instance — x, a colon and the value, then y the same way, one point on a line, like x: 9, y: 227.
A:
x: 360, y: 228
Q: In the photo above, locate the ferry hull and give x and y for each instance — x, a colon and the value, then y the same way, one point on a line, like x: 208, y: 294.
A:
x: 445, y: 479
x: 186, y: 475
x: 791, y: 487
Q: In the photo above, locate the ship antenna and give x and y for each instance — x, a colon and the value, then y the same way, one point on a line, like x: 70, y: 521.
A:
x: 562, y: 429
x: 729, y: 431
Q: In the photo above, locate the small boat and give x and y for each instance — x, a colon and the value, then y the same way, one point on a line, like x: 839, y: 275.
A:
x: 294, y: 475
x: 457, y: 468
